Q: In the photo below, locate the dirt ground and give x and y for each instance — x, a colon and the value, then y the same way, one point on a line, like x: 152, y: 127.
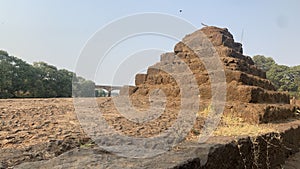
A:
x: 39, y: 129
x: 26, y: 122
x: 36, y: 129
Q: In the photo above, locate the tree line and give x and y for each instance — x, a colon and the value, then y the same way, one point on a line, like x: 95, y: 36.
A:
x: 19, y: 79
x: 283, y: 77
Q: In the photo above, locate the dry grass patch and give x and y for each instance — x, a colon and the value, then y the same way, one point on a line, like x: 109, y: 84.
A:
x: 231, y: 125
x: 235, y: 126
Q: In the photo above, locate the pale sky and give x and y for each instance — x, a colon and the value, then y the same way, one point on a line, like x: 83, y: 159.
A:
x: 55, y: 31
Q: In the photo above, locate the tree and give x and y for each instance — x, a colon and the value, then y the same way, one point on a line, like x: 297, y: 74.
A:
x: 48, y: 76
x: 264, y: 63
x: 3, y: 53
x: 284, y: 78
x: 5, y: 79
x: 100, y: 93
x: 295, y: 71
x: 20, y: 79
x: 64, y: 83
x: 82, y: 87
x: 281, y: 77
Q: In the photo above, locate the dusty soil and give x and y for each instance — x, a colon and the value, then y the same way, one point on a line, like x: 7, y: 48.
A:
x: 26, y: 122
x: 36, y: 129
x: 41, y: 129
x: 261, y: 152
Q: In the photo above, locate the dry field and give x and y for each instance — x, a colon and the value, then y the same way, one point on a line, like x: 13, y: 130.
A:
x: 37, y: 129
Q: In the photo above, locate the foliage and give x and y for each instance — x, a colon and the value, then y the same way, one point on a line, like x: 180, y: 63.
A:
x: 19, y: 79
x: 264, y: 63
x: 100, y: 93
x: 283, y: 77
x: 83, y: 88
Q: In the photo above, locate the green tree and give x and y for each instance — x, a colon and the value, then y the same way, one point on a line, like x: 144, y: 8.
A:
x: 83, y: 88
x: 38, y: 90
x: 64, y: 83
x: 295, y: 71
x: 20, y: 79
x: 283, y: 78
x: 48, y: 76
x: 3, y: 53
x: 6, y: 89
x: 264, y: 63
x: 22, y: 74
x: 100, y: 93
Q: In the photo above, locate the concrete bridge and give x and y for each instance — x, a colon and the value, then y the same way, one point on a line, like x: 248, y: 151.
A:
x: 108, y: 88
